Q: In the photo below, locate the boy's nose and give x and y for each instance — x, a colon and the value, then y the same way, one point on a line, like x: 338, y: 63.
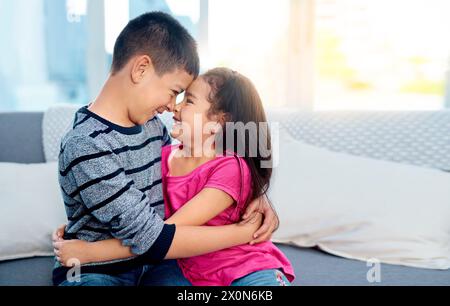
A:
x: 171, y: 106
x: 177, y: 108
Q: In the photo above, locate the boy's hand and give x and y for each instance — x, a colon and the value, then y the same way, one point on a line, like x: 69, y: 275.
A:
x: 271, y: 221
x: 253, y: 224
x: 66, y: 251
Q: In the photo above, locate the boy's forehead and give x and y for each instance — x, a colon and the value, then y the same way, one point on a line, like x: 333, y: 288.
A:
x: 181, y: 79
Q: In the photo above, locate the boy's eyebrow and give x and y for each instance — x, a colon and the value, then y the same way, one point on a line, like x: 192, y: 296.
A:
x: 178, y: 90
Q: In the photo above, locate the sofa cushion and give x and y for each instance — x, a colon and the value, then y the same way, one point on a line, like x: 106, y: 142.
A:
x: 361, y: 208
x: 31, y: 208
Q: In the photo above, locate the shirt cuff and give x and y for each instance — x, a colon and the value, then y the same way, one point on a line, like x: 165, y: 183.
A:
x: 161, y: 246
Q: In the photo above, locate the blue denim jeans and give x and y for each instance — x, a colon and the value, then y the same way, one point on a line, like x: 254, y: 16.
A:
x: 271, y: 278
x: 168, y: 273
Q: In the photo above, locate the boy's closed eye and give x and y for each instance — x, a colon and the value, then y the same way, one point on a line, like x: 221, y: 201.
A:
x: 175, y: 93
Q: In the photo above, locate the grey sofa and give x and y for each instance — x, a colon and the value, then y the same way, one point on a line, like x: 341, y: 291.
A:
x: 21, y: 142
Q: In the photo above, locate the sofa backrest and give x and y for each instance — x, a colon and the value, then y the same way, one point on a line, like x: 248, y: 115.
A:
x: 419, y: 138
x: 21, y: 138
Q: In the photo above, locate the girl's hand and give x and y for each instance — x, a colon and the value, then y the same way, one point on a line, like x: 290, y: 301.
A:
x: 78, y: 252
x: 58, y: 234
x: 72, y: 252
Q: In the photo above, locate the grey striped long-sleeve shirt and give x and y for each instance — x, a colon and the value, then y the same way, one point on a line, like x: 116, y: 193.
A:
x: 110, y: 178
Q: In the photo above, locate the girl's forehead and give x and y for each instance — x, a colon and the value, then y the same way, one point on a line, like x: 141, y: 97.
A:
x: 199, y: 88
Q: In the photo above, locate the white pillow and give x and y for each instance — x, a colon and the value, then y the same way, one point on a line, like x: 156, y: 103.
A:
x: 31, y: 208
x: 361, y: 208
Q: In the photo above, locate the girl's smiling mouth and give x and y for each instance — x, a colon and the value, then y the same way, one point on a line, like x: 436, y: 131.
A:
x: 177, y: 127
x: 176, y: 121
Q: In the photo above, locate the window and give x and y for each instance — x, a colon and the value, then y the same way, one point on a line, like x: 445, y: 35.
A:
x: 64, y: 50
x: 306, y: 54
x: 382, y: 55
x: 252, y: 37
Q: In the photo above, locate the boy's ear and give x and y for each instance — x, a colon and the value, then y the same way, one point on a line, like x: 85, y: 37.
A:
x: 142, y: 65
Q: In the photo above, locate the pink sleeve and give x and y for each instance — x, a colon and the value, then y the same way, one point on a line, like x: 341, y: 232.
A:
x: 226, y: 176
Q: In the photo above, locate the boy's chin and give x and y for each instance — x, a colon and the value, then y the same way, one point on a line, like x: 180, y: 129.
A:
x: 149, y: 118
x: 154, y: 115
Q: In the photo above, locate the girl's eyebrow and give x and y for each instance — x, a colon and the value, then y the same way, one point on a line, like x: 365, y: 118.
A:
x: 189, y: 94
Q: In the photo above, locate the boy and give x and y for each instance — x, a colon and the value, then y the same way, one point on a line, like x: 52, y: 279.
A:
x: 110, y: 170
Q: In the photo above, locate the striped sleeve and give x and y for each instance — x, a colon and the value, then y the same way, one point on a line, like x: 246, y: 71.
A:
x: 166, y: 139
x: 98, y: 177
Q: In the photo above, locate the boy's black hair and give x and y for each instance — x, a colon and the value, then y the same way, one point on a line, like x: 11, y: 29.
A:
x: 160, y: 36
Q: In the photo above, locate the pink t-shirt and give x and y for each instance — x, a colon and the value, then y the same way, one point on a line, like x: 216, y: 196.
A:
x: 223, y: 267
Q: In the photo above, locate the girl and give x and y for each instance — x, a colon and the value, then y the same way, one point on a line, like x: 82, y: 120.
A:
x: 206, y: 166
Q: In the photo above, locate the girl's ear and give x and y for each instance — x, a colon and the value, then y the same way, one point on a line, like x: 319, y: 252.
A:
x: 222, y: 118
x: 215, y: 128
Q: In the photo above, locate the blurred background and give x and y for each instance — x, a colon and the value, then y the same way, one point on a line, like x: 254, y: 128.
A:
x: 306, y: 54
